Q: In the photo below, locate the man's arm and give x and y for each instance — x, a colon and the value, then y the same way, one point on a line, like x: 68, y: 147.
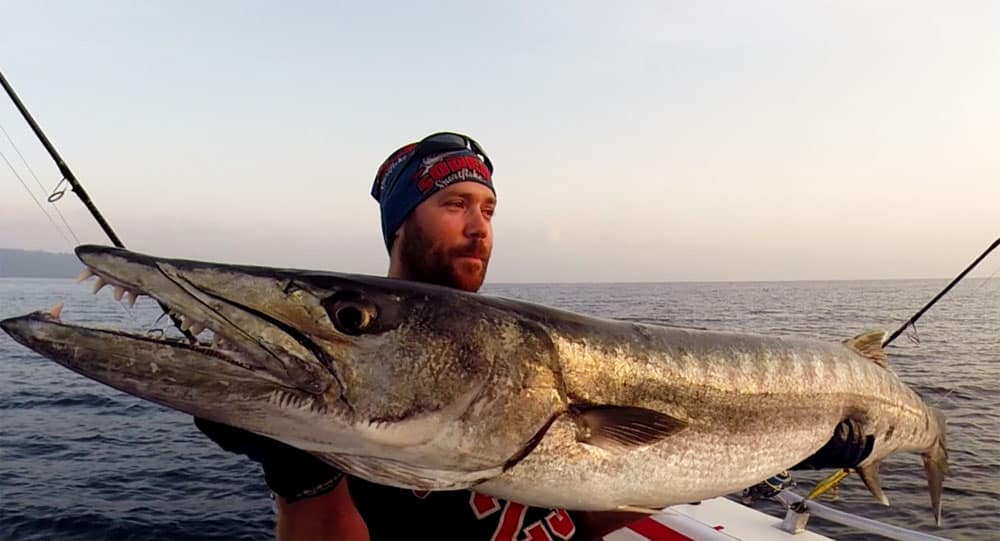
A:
x: 328, y: 516
x: 312, y: 498
x: 847, y: 448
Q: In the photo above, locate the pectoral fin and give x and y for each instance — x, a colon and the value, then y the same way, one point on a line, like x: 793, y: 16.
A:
x: 622, y: 427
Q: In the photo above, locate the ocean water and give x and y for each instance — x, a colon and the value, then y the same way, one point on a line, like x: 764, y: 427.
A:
x: 79, y: 460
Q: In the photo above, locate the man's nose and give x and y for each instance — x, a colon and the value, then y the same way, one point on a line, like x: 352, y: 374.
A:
x: 476, y: 225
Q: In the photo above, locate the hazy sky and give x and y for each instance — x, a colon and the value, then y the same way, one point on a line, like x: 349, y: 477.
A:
x: 652, y: 141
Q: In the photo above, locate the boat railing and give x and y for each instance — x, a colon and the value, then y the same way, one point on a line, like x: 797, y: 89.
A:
x: 798, y: 511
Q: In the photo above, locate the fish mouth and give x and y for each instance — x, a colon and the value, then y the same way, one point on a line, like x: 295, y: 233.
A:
x: 241, y: 364
x: 241, y: 334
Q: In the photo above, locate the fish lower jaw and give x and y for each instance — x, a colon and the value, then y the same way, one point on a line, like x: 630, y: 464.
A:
x: 216, y: 347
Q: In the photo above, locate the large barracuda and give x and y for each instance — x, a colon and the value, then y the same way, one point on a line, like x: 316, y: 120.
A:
x: 430, y: 388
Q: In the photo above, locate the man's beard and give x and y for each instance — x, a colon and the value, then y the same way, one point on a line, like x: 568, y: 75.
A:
x: 432, y: 263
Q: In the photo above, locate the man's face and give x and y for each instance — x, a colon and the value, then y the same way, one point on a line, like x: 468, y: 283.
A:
x: 449, y: 237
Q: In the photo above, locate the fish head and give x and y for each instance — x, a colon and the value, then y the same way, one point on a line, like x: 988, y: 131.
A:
x: 327, y: 362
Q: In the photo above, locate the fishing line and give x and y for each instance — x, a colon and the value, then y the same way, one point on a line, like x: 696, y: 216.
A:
x: 912, y: 321
x: 69, y: 241
x: 911, y: 332
x: 56, y: 194
x: 78, y: 189
x: 988, y: 279
x: 41, y: 207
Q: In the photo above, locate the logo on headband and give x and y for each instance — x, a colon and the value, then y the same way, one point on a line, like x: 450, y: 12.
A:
x: 442, y: 170
x: 388, y: 168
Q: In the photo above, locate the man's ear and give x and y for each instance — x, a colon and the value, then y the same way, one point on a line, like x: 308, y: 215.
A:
x: 397, y: 241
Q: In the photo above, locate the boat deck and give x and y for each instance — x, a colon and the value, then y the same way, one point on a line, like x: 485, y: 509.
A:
x: 717, y: 519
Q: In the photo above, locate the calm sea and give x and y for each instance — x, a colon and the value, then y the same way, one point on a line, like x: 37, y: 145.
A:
x: 79, y: 460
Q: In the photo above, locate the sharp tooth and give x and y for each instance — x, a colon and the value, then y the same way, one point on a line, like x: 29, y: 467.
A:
x: 185, y: 323
x: 56, y: 311
x: 118, y: 292
x: 85, y: 274
x: 130, y: 297
x: 98, y: 285
x: 196, y: 328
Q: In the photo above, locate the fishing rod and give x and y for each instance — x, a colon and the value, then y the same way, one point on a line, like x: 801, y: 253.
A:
x: 67, y: 174
x: 77, y: 188
x: 927, y: 306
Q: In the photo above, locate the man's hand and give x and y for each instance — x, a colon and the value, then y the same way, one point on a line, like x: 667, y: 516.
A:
x: 290, y: 473
x: 846, y: 449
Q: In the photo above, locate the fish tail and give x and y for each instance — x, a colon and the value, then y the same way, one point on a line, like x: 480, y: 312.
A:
x: 936, y: 464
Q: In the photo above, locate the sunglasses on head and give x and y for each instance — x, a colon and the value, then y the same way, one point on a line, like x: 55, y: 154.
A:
x: 430, y: 145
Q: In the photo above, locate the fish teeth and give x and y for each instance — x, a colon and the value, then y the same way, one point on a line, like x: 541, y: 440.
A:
x: 118, y: 292
x: 185, y: 323
x: 85, y: 274
x: 100, y: 283
x: 130, y: 297
x: 216, y: 340
x: 219, y: 343
x: 196, y: 328
x: 56, y: 311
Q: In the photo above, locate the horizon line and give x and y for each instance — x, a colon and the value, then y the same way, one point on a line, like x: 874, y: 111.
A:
x: 637, y: 282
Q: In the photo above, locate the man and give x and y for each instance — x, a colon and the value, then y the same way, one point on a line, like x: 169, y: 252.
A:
x: 437, y: 201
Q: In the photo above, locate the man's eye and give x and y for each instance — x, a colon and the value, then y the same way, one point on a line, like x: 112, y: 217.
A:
x: 457, y: 204
x: 488, y: 212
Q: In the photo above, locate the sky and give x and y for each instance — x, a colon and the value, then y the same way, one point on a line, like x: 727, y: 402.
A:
x: 653, y: 141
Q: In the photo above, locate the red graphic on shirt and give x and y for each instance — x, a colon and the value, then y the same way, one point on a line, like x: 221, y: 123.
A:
x: 510, y: 522
x: 483, y: 505
x: 557, y: 523
x: 537, y: 532
x: 561, y: 524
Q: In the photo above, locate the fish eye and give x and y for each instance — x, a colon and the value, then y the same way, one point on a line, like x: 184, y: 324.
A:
x: 351, y: 318
x: 351, y: 315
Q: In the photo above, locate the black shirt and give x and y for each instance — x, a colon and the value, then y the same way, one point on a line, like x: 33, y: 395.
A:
x: 395, y: 513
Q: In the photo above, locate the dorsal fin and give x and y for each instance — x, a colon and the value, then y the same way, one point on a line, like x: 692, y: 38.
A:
x: 869, y: 345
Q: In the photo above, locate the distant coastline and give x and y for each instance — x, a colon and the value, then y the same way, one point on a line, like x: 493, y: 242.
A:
x: 37, y: 264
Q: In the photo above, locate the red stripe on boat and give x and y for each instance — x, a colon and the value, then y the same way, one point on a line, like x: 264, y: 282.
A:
x: 656, y: 531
